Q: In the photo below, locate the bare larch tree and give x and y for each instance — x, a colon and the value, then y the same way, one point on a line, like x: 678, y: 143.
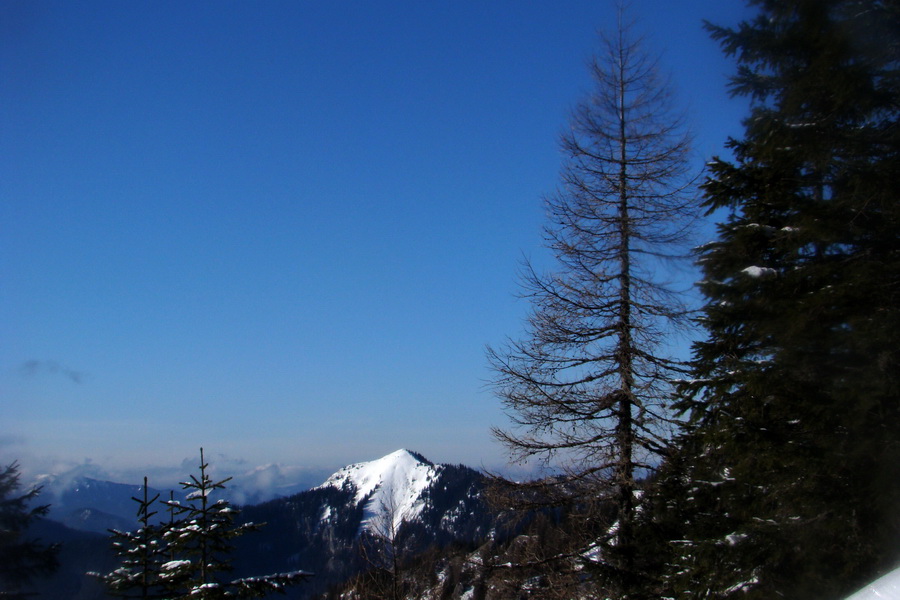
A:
x: 588, y: 386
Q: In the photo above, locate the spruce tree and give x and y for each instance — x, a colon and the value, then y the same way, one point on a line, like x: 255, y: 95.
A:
x: 187, y: 556
x: 588, y: 387
x: 201, y: 536
x: 142, y: 553
x: 793, y: 457
x: 201, y: 543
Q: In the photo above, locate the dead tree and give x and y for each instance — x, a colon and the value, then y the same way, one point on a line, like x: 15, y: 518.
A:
x: 588, y: 386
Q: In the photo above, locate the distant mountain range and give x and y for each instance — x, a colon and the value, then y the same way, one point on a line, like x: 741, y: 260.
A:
x: 89, y: 504
x: 86, y: 504
x: 417, y: 503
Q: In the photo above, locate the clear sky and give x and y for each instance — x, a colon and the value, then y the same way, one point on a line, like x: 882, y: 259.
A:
x: 286, y: 230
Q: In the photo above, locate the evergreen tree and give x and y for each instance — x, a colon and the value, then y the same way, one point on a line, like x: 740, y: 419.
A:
x: 201, y: 537
x: 793, y: 458
x: 21, y: 560
x: 187, y: 556
x: 200, y: 541
x: 143, y: 554
x: 589, y: 385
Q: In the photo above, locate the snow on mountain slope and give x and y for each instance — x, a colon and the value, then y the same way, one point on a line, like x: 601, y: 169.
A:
x: 392, y: 488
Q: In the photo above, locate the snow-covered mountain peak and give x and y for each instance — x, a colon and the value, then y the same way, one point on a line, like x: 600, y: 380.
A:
x: 392, y: 487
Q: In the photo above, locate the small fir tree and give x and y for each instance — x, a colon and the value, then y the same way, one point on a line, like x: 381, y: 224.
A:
x: 143, y: 554
x: 202, y: 539
x: 202, y: 536
x: 188, y: 556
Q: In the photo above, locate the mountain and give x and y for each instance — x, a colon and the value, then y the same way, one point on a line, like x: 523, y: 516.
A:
x: 338, y: 529
x: 88, y: 504
x: 93, y: 520
x: 335, y: 530
x: 392, y: 487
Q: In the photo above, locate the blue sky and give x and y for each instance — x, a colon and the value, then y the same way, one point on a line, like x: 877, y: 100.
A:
x: 286, y: 231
